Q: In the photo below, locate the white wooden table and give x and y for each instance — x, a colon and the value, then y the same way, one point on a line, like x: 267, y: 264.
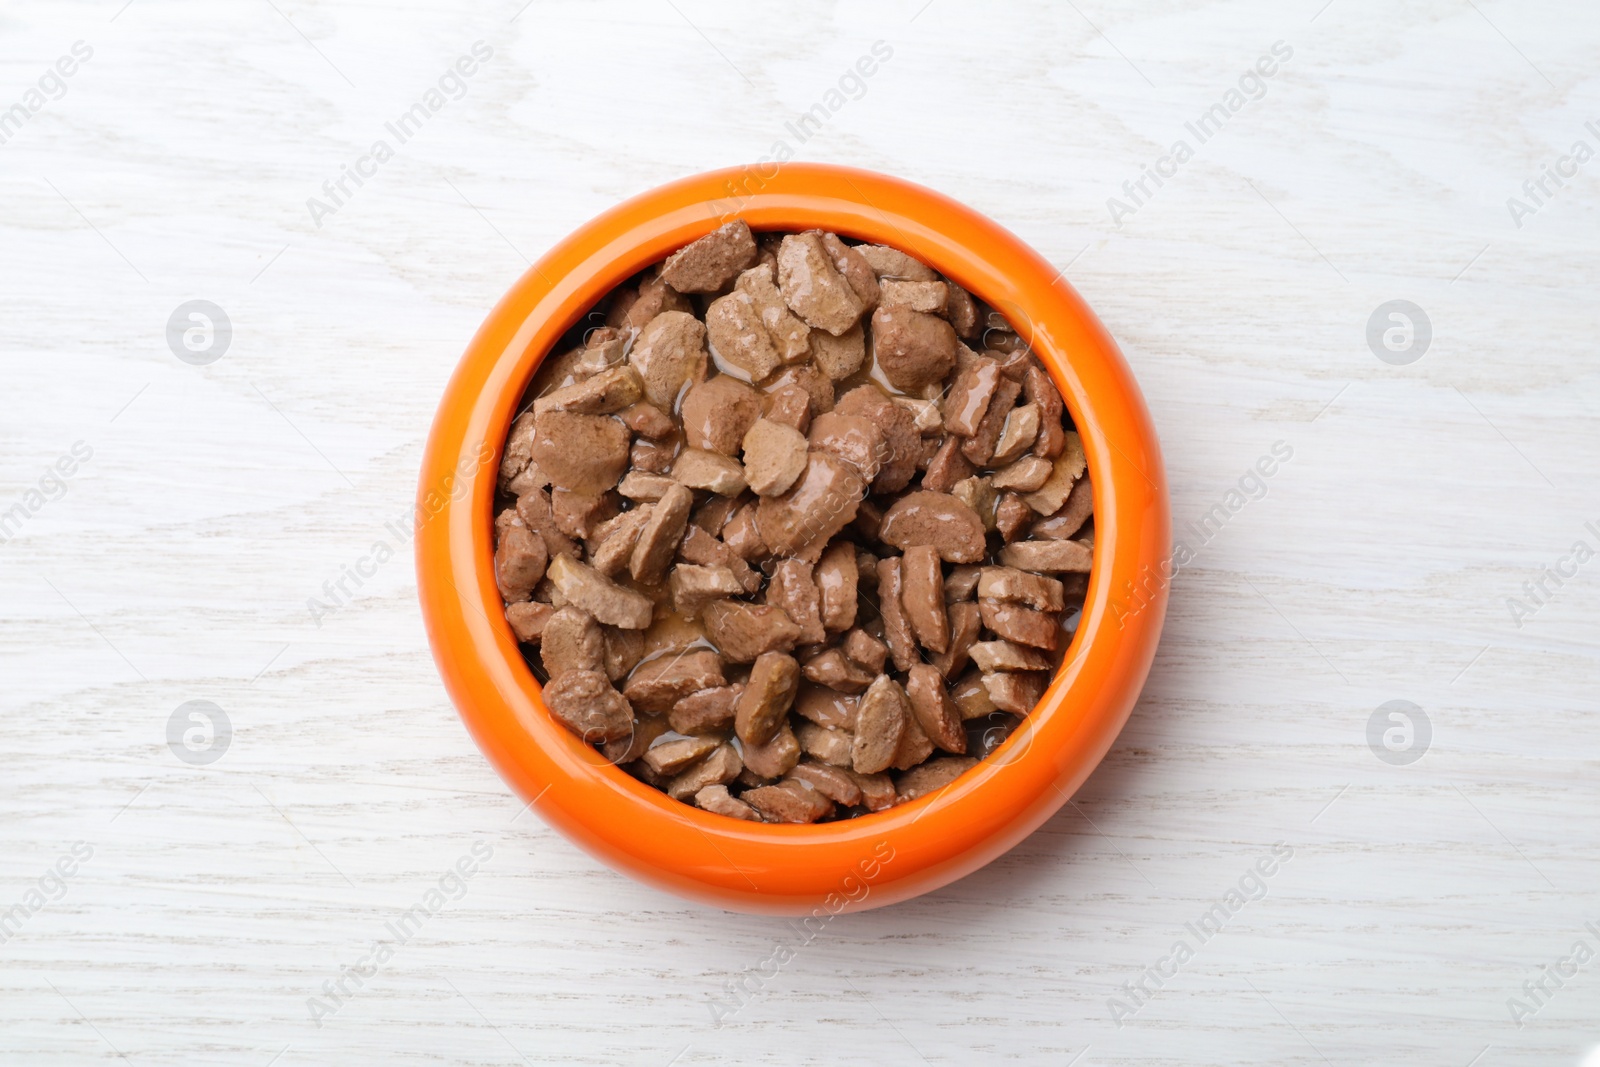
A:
x: 176, y: 563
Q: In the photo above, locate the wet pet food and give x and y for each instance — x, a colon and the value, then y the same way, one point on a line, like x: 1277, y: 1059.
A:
x: 801, y: 532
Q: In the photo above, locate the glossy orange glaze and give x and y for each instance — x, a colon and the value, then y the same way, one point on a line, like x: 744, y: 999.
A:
x: 857, y: 863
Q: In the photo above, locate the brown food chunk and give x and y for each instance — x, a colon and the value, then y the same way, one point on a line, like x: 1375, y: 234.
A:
x: 977, y: 494
x: 1074, y: 513
x: 962, y: 311
x: 713, y: 515
x: 580, y: 514
x: 791, y: 338
x: 701, y: 547
x: 660, y: 536
x: 1012, y: 350
x: 788, y: 404
x: 971, y: 696
x: 672, y: 634
x: 947, y: 467
x: 670, y: 757
x: 965, y: 621
x: 1012, y: 517
x: 528, y: 619
x: 624, y: 650
x: 693, y: 587
x: 1042, y: 392
x: 836, y: 579
x: 853, y: 439
x: 1017, y: 693
x: 774, y: 757
x: 881, y: 721
x: 1017, y: 435
x: 813, y: 287
x: 914, y: 745
x: 1068, y: 467
x: 926, y: 418
x: 889, y: 262
x: 655, y: 457
x: 608, y: 392
x: 519, y: 448
x: 585, y: 703
x: 898, y: 464
x: 932, y: 776
x: 802, y: 521
x: 582, y: 453
x: 742, y: 534
x: 647, y: 420
x: 767, y: 697
x: 922, y: 594
x: 717, y: 800
x: 519, y: 563
x: 1025, y: 475
x: 933, y: 710
x: 833, y: 669
x: 837, y: 785
x: 616, y: 538
x: 796, y: 803
x: 572, y: 642
x: 839, y: 357
x: 927, y: 448
x: 774, y: 456
x: 877, y: 790
x: 826, y: 707
x: 793, y: 589
x: 1008, y: 583
x: 718, y: 412
x: 711, y: 471
x: 1005, y: 656
x: 804, y: 376
x: 599, y: 595
x: 642, y: 485
x: 739, y: 337
x: 1048, y: 556
x: 705, y: 710
x: 913, y: 349
x: 1021, y: 625
x: 637, y: 308
x: 937, y: 519
x: 719, y: 768
x: 855, y: 270
x: 713, y: 262
x: 669, y: 354
x: 745, y: 631
x: 961, y: 583
x: 891, y: 605
x: 831, y: 746
x: 869, y: 519
x: 533, y: 508
x: 530, y: 478
x: 628, y: 749
x: 605, y: 345
x: 979, y: 448
x: 657, y: 686
x: 862, y: 648
x: 929, y: 297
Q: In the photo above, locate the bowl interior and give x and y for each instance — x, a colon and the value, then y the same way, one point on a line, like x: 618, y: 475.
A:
x: 1015, y: 316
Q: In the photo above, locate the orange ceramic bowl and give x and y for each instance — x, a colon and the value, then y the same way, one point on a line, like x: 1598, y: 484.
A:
x: 856, y: 863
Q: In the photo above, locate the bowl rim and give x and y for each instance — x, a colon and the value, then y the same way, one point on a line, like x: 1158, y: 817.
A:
x: 850, y: 864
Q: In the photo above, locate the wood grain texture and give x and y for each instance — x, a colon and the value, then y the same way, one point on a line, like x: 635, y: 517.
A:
x: 178, y: 561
